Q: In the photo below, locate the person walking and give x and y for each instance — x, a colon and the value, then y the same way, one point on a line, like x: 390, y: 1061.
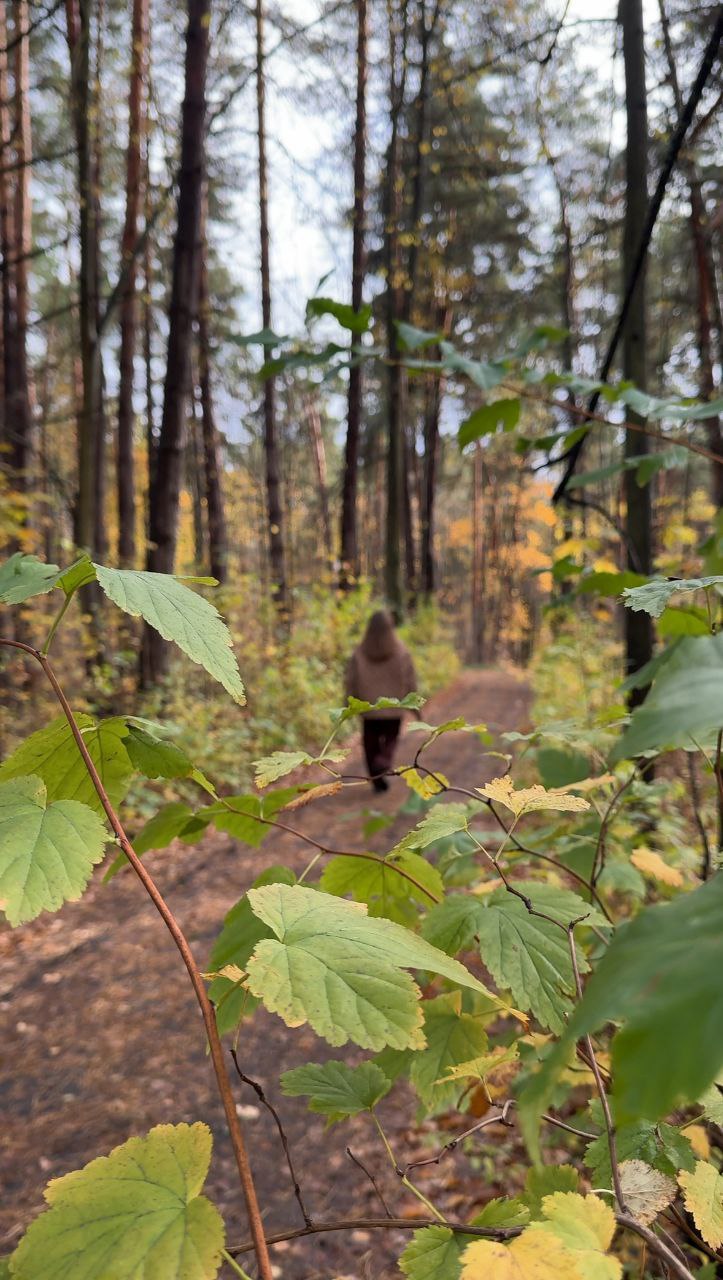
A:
x: 380, y: 667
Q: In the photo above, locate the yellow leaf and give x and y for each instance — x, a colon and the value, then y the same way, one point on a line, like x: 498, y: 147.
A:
x: 426, y: 787
x: 530, y: 799
x: 703, y: 1192
x: 698, y: 1139
x: 524, y: 1259
x: 589, y: 784
x: 651, y: 864
x: 570, y: 1245
x: 486, y: 1065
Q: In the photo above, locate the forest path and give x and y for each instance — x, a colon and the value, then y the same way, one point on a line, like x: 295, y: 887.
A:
x: 101, y: 1036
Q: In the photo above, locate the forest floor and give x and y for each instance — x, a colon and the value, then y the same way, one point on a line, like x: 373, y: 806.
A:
x: 102, y: 1038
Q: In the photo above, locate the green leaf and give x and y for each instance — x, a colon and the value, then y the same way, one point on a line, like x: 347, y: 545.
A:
x: 335, y: 1089
x: 712, y: 1102
x: 442, y: 820
x: 168, y: 824
x: 689, y: 621
x: 357, y: 706
x: 608, y: 584
x: 47, y: 851
x: 280, y: 763
x: 262, y: 338
x: 412, y: 339
x: 155, y: 757
x: 434, y: 1253
x: 22, y: 577
x: 502, y: 1212
x: 685, y: 702
x: 52, y: 754
x: 452, y: 924
x: 485, y: 420
x: 377, y: 882
x: 241, y: 931
x: 530, y: 956
x: 175, y: 821
x: 135, y: 1213
x: 546, y: 1181
x: 332, y: 966
x: 486, y: 376
x: 452, y: 1037
x: 348, y: 318
x: 240, y: 816
x: 585, y: 478
x: 179, y: 615
x: 653, y: 596
x: 660, y: 1146
x: 559, y: 768
x: 669, y: 995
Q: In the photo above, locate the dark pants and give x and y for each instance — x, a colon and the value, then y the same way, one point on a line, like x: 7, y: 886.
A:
x: 380, y: 740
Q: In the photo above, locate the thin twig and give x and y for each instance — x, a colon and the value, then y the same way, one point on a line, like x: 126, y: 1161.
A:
x: 368, y: 1173
x: 594, y: 1067
x: 254, y: 1084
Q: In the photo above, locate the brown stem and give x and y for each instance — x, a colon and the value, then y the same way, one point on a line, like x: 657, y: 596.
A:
x: 219, y: 1065
x: 600, y: 1085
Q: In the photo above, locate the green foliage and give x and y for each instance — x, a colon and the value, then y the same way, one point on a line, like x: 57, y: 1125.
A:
x: 333, y: 966
x: 52, y: 754
x: 235, y: 944
x: 434, y: 1253
x: 531, y: 955
x: 378, y: 883
x: 179, y: 615
x: 660, y: 1146
x: 335, y: 1089
x: 653, y: 596
x: 485, y: 420
x: 668, y: 994
x: 453, y: 1036
x: 547, y: 1181
x: 137, y: 1212
x: 356, y: 321
x: 23, y: 576
x: 685, y: 703
x: 47, y: 850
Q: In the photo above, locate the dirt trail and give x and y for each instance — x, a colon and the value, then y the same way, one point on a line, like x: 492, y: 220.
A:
x: 101, y: 1037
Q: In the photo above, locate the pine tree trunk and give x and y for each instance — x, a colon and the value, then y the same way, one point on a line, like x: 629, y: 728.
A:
x: 7, y: 248
x: 705, y: 287
x: 277, y: 564
x: 638, y: 521
x: 319, y: 452
x: 78, y: 19
x: 217, y: 534
x: 395, y: 389
x: 349, y: 553
x: 129, y: 301
x: 24, y: 398
x: 165, y: 492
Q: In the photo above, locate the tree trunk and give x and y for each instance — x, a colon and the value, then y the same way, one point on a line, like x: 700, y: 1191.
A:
x: 217, y: 535
x: 193, y: 478
x: 78, y: 21
x: 349, y: 553
x: 129, y: 302
x: 638, y: 523
x: 7, y: 248
x: 271, y: 448
x: 22, y: 417
x: 165, y: 493
x: 319, y: 452
x: 707, y: 297
x: 100, y: 496
x: 395, y: 426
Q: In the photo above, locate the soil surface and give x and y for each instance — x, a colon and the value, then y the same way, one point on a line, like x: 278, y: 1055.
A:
x: 102, y: 1039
